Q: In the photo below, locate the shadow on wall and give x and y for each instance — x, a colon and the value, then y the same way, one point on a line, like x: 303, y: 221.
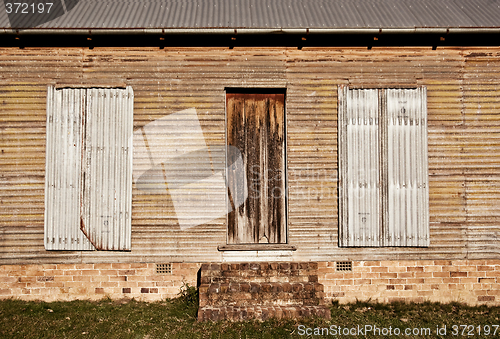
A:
x: 172, y: 156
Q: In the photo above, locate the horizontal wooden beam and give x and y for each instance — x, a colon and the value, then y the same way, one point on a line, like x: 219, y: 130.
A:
x: 257, y: 247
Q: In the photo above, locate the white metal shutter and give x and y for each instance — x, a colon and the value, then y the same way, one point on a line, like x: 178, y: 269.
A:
x: 65, y: 112
x: 107, y: 195
x: 359, y: 164
x: 89, y: 200
x: 408, y: 188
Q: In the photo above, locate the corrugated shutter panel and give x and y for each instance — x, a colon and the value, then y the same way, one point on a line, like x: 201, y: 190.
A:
x: 360, y: 168
x: 107, y: 169
x: 408, y: 192
x: 383, y: 171
x: 65, y: 112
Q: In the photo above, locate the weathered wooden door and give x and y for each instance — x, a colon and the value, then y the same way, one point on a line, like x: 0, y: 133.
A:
x: 256, y: 127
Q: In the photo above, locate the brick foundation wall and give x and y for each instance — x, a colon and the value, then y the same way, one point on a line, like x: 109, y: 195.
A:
x: 94, y: 281
x: 467, y: 281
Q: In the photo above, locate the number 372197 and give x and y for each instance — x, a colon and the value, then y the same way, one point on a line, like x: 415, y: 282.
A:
x: 470, y: 330
x: 25, y: 8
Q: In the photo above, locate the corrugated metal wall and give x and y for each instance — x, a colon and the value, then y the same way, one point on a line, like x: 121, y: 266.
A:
x: 463, y: 143
x: 480, y: 139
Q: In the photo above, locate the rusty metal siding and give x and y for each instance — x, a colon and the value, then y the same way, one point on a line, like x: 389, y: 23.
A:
x: 176, y: 164
x: 63, y: 179
x: 481, y: 151
x: 315, y: 75
x: 463, y: 158
x: 107, y: 192
x: 188, y: 79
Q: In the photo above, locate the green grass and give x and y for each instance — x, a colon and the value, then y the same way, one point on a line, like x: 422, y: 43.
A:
x: 176, y: 318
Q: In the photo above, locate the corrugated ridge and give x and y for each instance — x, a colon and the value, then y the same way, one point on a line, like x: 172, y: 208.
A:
x: 481, y: 151
x: 113, y: 14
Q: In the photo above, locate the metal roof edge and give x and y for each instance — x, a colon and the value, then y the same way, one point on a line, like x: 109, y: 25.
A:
x: 248, y: 31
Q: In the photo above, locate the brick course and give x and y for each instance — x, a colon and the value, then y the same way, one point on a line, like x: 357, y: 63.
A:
x: 472, y: 282
x: 94, y: 281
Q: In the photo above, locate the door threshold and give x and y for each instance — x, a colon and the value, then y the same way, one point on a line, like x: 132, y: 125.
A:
x: 257, y: 247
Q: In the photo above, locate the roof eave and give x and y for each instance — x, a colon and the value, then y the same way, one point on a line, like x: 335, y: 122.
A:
x: 248, y: 31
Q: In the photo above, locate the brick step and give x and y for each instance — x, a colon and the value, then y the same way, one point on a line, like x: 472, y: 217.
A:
x: 258, y: 287
x: 260, y: 279
x: 211, y: 313
x: 250, y: 300
x: 260, y: 290
x: 259, y: 272
x: 244, y: 294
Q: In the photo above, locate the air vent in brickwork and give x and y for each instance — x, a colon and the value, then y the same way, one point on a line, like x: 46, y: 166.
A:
x: 163, y: 268
x: 343, y: 266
